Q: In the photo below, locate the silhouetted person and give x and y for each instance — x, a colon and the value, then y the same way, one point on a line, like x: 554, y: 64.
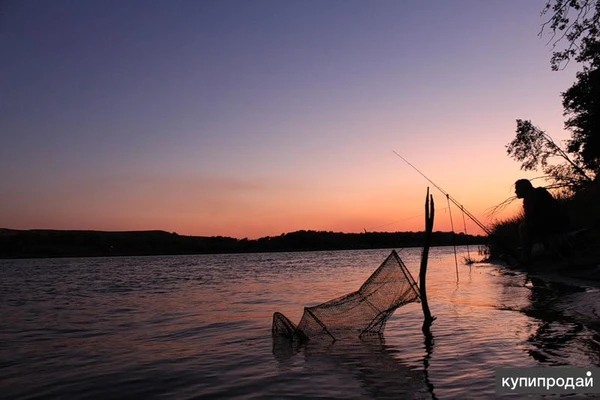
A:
x: 543, y: 216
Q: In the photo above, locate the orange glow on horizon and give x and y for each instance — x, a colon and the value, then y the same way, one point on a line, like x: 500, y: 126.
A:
x: 376, y: 200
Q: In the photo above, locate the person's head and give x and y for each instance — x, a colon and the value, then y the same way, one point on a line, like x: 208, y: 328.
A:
x: 522, y: 188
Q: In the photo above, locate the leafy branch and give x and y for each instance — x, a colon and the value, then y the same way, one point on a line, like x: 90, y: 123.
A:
x: 534, y: 149
x: 581, y: 31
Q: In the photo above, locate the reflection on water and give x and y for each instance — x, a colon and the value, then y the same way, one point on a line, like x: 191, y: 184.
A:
x: 369, y: 361
x: 199, y: 327
x: 558, y: 332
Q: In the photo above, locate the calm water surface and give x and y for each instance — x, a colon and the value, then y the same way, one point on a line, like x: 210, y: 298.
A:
x: 198, y: 327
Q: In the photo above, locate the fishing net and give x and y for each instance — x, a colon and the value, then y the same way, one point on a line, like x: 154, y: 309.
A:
x: 363, y: 312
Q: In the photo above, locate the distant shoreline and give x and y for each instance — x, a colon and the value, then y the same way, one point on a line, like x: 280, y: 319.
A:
x: 39, y: 243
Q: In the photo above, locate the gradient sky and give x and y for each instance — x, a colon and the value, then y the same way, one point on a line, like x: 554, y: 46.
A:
x: 255, y: 118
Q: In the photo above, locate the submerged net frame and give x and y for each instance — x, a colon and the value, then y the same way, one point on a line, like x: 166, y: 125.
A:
x: 363, y: 312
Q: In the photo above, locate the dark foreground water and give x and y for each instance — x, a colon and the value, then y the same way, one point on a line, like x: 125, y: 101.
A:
x: 188, y: 327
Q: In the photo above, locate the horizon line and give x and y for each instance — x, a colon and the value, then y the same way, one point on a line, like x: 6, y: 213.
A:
x: 231, y: 237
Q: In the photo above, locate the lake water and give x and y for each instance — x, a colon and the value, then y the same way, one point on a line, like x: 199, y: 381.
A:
x: 199, y: 327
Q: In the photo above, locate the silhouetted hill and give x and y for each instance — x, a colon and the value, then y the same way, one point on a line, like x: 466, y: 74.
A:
x: 57, y: 243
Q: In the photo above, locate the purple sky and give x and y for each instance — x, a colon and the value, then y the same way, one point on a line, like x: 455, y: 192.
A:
x: 254, y: 118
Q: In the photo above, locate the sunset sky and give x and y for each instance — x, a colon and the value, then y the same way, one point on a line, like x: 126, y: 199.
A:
x: 255, y: 118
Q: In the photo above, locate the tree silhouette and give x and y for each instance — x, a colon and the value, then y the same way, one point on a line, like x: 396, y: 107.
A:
x: 576, y: 22
x: 581, y: 103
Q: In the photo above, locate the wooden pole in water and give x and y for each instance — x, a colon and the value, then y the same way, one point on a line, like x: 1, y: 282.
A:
x: 429, y: 215
x: 428, y: 320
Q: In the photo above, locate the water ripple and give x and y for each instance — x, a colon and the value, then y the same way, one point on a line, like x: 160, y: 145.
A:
x: 198, y: 327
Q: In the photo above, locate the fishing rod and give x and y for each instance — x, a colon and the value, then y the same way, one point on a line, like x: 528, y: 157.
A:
x: 452, y: 199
